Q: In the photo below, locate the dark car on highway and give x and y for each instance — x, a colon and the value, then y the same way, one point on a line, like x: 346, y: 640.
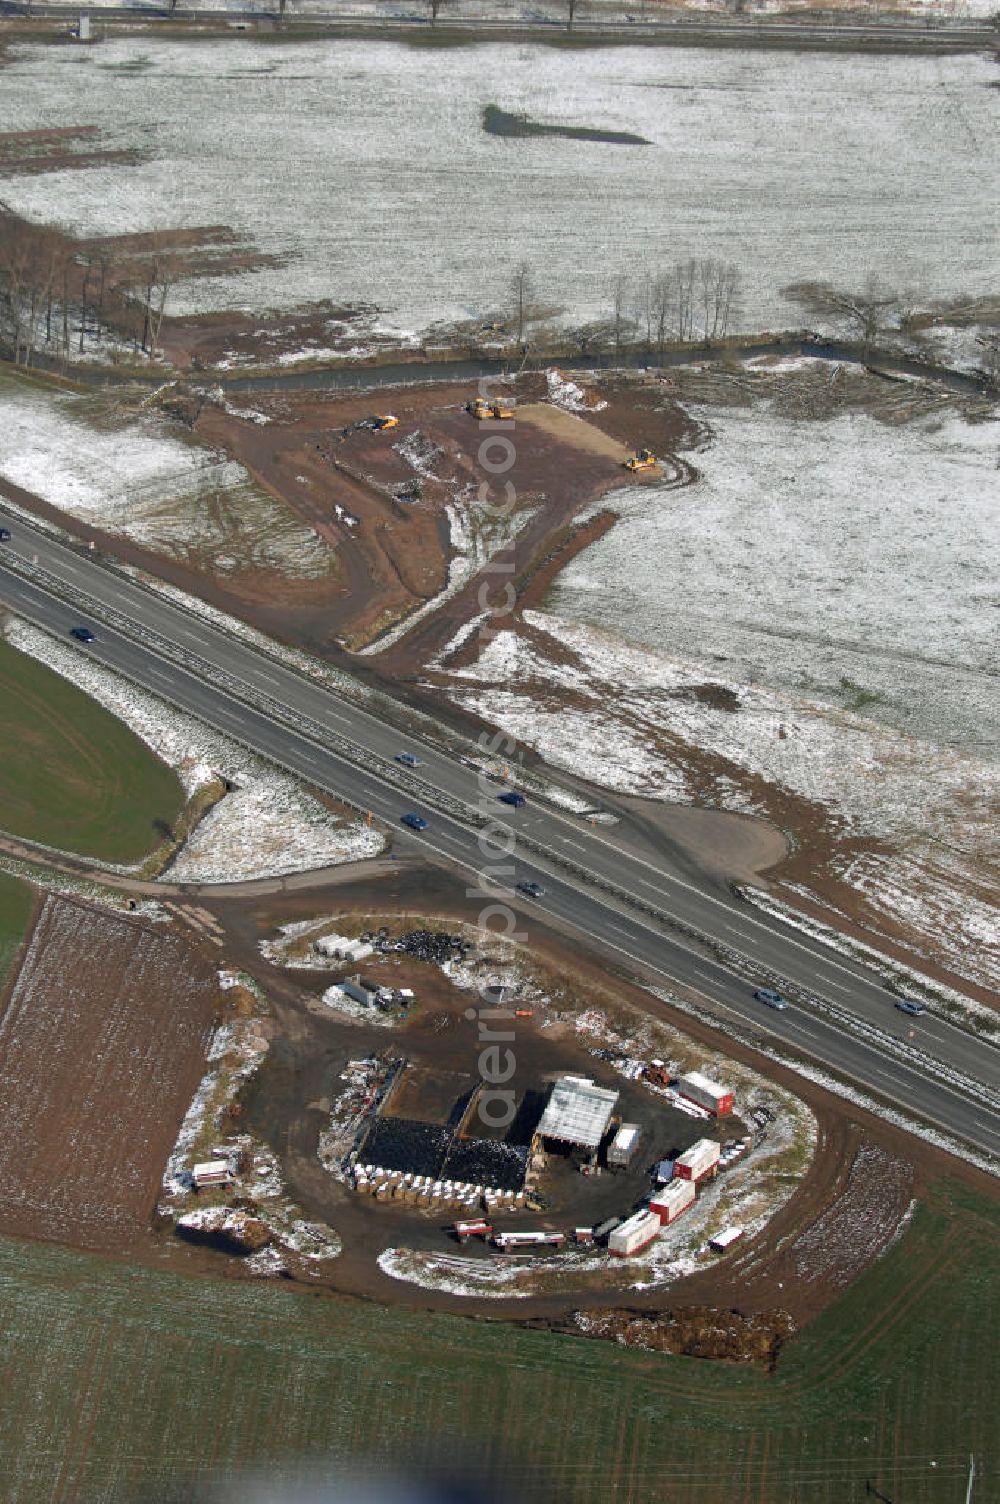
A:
x: 911, y: 1006
x: 408, y: 759
x: 82, y: 634
x: 415, y: 822
x: 4, y: 534
x: 512, y: 798
x: 770, y: 997
x: 533, y: 890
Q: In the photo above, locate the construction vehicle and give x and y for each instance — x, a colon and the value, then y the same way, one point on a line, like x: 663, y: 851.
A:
x: 378, y: 422
x: 480, y: 408
x: 644, y: 460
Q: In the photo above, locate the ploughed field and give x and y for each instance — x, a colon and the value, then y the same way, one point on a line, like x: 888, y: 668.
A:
x: 102, y: 1042
x: 118, y: 1378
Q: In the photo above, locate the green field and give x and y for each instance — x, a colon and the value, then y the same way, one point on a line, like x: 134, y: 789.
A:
x: 16, y: 902
x: 116, y: 1378
x: 72, y: 775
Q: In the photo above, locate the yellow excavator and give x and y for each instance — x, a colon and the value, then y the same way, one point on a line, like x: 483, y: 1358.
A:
x: 384, y: 420
x: 644, y: 460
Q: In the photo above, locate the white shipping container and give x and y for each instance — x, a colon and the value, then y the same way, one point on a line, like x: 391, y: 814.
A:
x: 634, y: 1235
x: 672, y: 1199
x: 358, y: 950
x: 331, y: 945
x: 624, y: 1145
x: 726, y: 1239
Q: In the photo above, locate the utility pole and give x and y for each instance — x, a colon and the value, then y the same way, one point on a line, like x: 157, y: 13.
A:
x: 972, y: 1479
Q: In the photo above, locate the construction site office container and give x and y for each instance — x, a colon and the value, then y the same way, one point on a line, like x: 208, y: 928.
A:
x: 634, y: 1235
x: 700, y: 1160
x: 726, y: 1239
x: 672, y: 1199
x: 212, y: 1172
x: 623, y: 1146
x: 709, y: 1094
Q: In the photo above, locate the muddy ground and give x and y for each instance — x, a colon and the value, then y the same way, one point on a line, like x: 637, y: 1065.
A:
x: 817, y: 1243
x: 107, y: 1163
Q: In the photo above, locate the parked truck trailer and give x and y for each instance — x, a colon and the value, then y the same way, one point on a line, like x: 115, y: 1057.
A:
x: 708, y: 1094
x: 635, y: 1234
x: 700, y: 1160
x: 671, y: 1200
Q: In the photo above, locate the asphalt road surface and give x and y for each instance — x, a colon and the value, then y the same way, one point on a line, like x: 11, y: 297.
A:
x: 596, y: 883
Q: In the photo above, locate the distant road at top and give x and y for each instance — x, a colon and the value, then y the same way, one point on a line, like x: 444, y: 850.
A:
x: 903, y: 35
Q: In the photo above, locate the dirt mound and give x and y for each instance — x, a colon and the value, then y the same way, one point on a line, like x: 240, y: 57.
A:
x: 692, y: 1331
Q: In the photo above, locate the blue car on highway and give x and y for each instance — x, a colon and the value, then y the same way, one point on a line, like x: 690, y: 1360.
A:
x: 911, y: 1006
x: 82, y: 634
x: 513, y: 798
x: 414, y: 821
x: 770, y: 997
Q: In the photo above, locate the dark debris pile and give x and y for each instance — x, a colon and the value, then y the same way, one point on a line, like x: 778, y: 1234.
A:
x: 426, y: 945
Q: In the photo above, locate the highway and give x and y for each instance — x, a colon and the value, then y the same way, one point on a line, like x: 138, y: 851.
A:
x: 652, y: 914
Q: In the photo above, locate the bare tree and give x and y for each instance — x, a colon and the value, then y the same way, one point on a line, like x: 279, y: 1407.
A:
x: 661, y: 303
x: 159, y: 280
x: 642, y: 306
x: 621, y: 320
x: 684, y: 280
x: 85, y: 288
x: 435, y: 6
x: 718, y: 285
x: 865, y: 312
x: 522, y: 295
x: 571, y: 6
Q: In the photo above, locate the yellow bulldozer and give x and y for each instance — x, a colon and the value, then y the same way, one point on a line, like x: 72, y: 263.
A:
x: 644, y: 460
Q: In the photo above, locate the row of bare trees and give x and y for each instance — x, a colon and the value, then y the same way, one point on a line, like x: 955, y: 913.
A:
x: 696, y: 299
x: 56, y: 294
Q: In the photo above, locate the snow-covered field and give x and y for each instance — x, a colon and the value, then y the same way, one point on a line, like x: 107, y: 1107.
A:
x: 267, y: 824
x: 134, y: 477
x: 640, y: 722
x: 360, y: 160
x: 814, y: 552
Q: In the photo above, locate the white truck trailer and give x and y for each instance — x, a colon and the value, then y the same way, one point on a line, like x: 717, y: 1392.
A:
x: 671, y: 1200
x: 717, y: 1099
x: 700, y: 1160
x: 635, y: 1234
